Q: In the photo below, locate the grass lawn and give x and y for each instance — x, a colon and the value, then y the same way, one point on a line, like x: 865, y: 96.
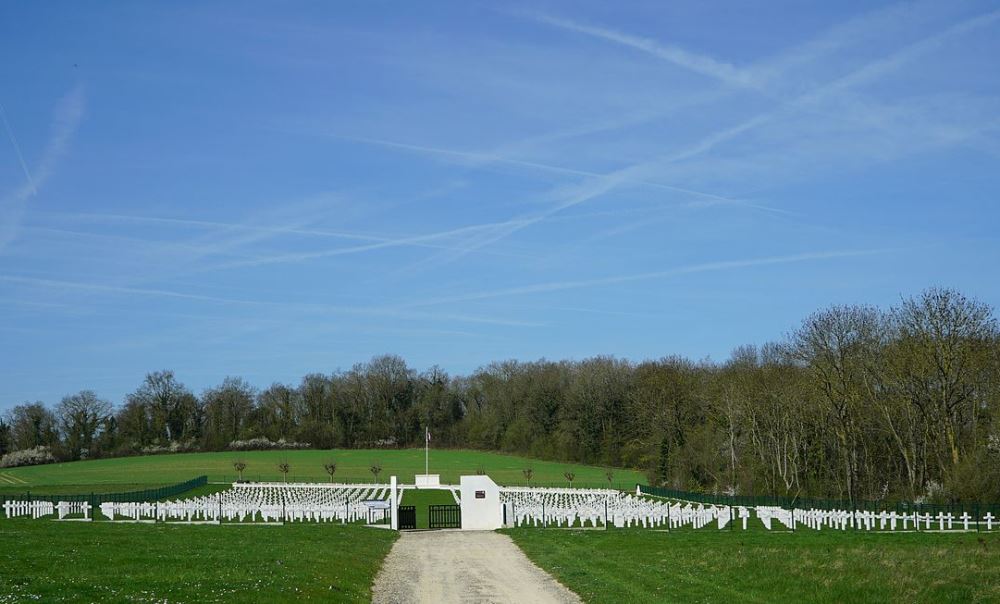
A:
x: 48, y: 561
x: 307, y: 466
x: 422, y: 498
x: 75, y: 489
x: 755, y: 566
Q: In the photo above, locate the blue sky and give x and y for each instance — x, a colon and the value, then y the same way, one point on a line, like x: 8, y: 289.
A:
x: 263, y: 191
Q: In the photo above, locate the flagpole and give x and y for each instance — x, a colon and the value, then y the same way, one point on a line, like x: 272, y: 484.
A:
x: 427, y: 443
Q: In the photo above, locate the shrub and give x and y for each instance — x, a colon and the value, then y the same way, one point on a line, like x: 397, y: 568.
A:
x: 27, y: 457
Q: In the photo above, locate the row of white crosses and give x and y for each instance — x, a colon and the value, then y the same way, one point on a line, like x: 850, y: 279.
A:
x: 844, y: 519
x: 134, y: 510
x: 69, y: 508
x: 598, y: 507
x: 267, y: 502
x: 565, y: 507
x: 35, y: 509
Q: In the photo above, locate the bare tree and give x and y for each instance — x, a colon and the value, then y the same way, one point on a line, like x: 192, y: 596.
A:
x: 169, y: 404
x: 283, y: 467
x: 227, y: 411
x: 280, y: 411
x: 375, y: 469
x: 941, y: 368
x: 569, y: 477
x: 839, y: 346
x: 609, y: 474
x: 528, y: 473
x: 32, y: 425
x: 239, y: 465
x: 331, y: 468
x: 80, y: 417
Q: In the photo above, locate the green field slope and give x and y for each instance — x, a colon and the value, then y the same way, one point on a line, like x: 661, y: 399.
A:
x: 307, y: 466
x: 759, y: 566
x: 48, y: 561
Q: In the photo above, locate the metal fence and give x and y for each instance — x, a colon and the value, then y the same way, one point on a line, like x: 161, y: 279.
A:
x: 444, y: 516
x: 976, y: 509
x: 96, y: 499
x: 576, y: 484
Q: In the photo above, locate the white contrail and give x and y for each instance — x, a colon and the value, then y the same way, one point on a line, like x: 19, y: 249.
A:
x: 390, y: 243
x: 398, y: 313
x: 681, y: 57
x: 495, y: 158
x: 17, y: 149
x: 638, y: 171
x: 673, y: 272
x: 67, y: 118
x: 867, y: 73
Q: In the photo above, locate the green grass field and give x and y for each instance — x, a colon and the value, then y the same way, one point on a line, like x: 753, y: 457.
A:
x: 48, y: 561
x: 758, y: 566
x: 128, y: 473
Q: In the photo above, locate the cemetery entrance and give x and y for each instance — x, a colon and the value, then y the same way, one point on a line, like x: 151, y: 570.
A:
x: 445, y: 516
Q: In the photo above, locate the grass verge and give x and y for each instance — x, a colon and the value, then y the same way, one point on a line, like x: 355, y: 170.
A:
x: 48, y: 561
x: 827, y: 566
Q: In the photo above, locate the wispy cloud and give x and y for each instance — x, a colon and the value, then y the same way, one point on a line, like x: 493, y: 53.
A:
x: 212, y: 225
x: 386, y: 244
x: 869, y: 72
x: 726, y: 265
x: 487, y: 158
x: 66, y: 120
x: 397, y: 313
x: 599, y: 184
x: 213, y: 246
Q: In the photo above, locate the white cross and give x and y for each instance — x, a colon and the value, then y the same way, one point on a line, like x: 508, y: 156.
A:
x: 965, y: 520
x: 989, y: 521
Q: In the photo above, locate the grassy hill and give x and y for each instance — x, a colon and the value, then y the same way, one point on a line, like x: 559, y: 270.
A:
x: 305, y: 466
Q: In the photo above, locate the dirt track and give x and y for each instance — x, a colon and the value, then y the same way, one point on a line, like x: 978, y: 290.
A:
x: 470, y: 566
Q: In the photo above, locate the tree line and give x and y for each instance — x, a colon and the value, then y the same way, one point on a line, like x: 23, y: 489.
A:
x: 857, y: 403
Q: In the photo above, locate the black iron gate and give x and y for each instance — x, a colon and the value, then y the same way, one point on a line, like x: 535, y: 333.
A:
x: 445, y: 516
x: 407, y: 517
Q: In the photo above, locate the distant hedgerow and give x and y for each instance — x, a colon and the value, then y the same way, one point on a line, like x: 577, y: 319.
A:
x: 27, y: 457
x: 176, y: 446
x: 264, y: 444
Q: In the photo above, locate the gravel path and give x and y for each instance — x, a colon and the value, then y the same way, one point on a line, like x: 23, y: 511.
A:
x: 463, y: 566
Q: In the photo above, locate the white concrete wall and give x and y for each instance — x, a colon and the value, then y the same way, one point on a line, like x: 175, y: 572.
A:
x: 483, y: 514
x: 424, y: 481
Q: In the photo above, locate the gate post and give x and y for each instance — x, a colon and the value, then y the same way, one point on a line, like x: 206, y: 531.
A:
x: 480, y: 503
x: 393, y: 505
